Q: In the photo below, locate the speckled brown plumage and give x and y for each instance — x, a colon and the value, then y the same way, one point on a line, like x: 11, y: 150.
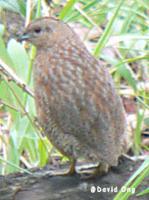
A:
x: 76, y: 102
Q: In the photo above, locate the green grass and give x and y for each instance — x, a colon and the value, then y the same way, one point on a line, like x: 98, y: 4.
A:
x: 125, y: 32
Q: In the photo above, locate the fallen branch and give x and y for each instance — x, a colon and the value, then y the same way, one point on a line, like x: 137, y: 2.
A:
x: 8, y: 72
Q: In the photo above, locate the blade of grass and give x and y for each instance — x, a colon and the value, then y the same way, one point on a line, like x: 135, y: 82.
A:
x: 38, y: 12
x: 137, y: 135
x: 134, y: 180
x: 15, y: 166
x: 67, y: 9
x: 10, y: 5
x: 105, y: 36
x: 144, y: 192
x: 86, y: 16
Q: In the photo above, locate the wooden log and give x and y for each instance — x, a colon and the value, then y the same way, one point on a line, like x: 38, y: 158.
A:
x: 46, y: 184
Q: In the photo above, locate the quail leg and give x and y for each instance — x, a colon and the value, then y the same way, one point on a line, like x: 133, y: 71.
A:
x: 101, y: 169
x: 72, y: 167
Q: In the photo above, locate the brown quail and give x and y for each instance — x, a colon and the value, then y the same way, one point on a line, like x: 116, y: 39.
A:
x: 76, y: 101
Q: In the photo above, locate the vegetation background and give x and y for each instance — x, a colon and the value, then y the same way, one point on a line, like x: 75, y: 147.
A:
x: 114, y: 30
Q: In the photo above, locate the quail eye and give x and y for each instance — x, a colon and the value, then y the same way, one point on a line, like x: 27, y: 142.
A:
x: 37, y: 30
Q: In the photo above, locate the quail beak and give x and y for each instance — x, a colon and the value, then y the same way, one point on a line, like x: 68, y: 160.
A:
x: 23, y: 37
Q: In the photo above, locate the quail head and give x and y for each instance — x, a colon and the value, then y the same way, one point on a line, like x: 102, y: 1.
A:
x: 77, y: 104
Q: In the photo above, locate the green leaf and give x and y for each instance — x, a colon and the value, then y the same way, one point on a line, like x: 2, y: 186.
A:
x: 106, y: 34
x: 22, y: 7
x: 134, y: 180
x: 126, y: 72
x: 144, y: 192
x: 17, y: 168
x: 42, y: 151
x: 2, y: 29
x: 146, y: 121
x: 67, y: 9
x: 13, y: 156
x: 137, y: 135
x: 19, y: 57
x: 3, y: 53
x: 10, y: 5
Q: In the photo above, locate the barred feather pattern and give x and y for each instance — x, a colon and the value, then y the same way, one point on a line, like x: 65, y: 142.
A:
x: 76, y: 100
